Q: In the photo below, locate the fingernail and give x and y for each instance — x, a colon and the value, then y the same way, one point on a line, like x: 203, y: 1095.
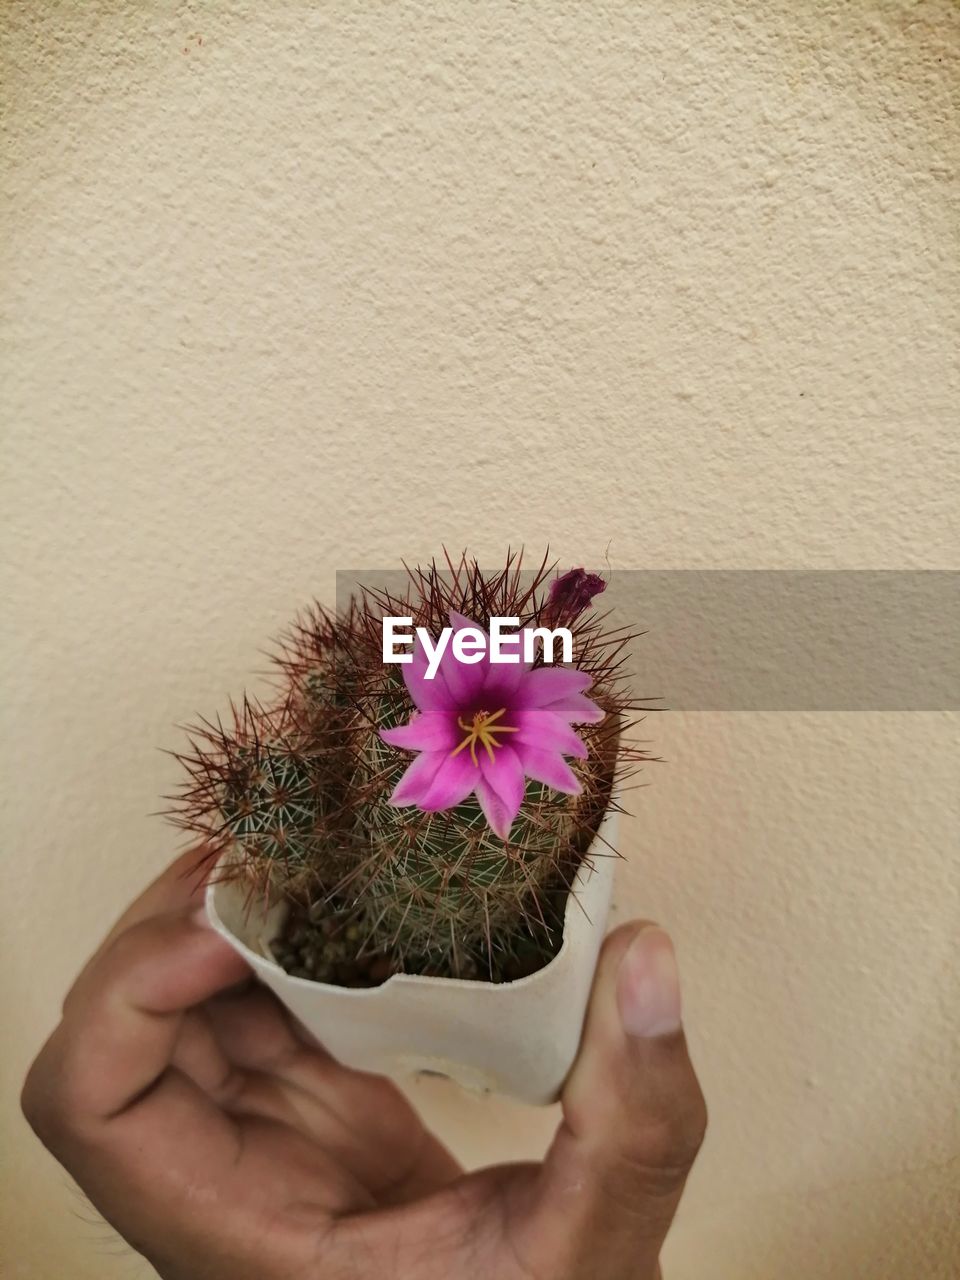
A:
x: 648, y: 985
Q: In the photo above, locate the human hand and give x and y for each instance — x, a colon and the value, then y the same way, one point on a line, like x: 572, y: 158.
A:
x: 224, y: 1144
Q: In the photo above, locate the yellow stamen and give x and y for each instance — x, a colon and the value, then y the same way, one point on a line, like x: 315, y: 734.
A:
x: 482, y: 729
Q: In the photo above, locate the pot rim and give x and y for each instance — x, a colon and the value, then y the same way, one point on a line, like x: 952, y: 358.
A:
x: 590, y: 866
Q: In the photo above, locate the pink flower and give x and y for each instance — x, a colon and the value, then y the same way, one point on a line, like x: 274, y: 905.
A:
x: 485, y: 728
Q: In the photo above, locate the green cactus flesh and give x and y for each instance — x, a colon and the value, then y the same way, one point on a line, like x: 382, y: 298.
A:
x: 297, y: 797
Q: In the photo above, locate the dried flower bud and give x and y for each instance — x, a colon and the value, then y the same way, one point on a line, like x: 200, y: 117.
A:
x: 571, y: 593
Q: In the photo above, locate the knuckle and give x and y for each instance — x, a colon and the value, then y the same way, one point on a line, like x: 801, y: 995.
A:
x: 666, y: 1151
x: 123, y: 950
x: 51, y: 1099
x: 651, y: 1181
x: 692, y: 1126
x: 30, y: 1103
x: 114, y: 958
x: 40, y: 1102
x: 645, y: 1190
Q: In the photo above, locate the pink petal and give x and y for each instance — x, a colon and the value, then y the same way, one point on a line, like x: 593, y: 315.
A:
x: 547, y: 732
x: 504, y: 774
x: 418, y: 778
x: 458, y: 621
x: 464, y: 679
x: 495, y: 810
x: 428, y: 695
x: 501, y: 685
x: 548, y: 767
x: 577, y: 709
x: 430, y: 731
x: 453, y: 782
x: 505, y: 678
x: 543, y: 685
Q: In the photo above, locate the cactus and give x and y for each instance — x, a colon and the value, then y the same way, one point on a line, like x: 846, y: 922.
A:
x: 298, y: 792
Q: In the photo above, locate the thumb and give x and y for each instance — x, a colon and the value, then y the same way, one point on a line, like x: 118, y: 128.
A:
x: 634, y: 1119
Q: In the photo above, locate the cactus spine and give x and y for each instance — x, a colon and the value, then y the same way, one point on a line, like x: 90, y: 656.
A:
x: 297, y: 791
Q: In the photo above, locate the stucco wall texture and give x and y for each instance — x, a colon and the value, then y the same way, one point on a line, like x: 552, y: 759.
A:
x: 293, y: 287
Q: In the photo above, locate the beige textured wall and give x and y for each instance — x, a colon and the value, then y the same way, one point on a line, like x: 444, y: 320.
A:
x: 289, y: 287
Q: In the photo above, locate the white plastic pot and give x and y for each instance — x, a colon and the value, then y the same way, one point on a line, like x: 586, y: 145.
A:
x: 517, y: 1038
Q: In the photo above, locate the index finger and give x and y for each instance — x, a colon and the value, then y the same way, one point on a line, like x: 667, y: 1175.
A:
x: 177, y: 888
x: 122, y: 1020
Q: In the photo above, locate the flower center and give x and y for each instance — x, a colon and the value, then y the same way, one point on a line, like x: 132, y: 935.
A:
x: 483, y: 729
